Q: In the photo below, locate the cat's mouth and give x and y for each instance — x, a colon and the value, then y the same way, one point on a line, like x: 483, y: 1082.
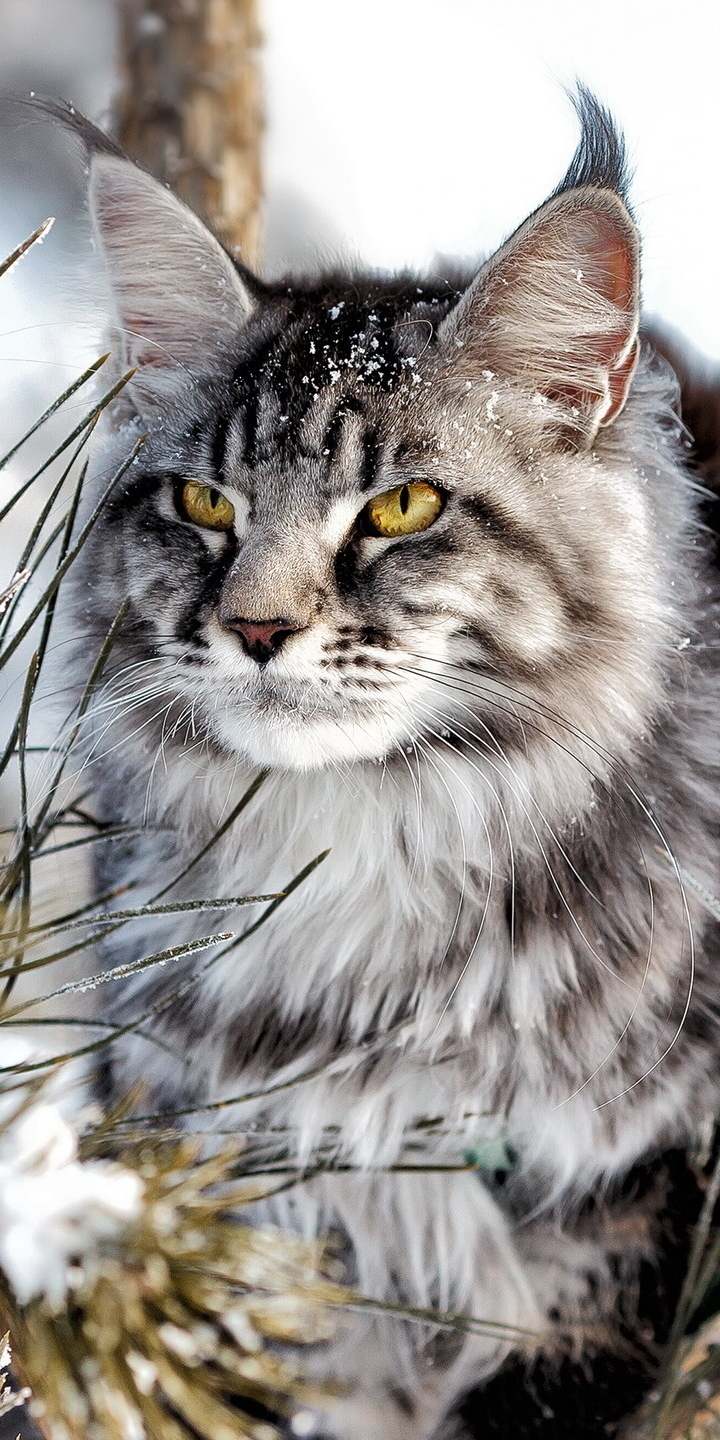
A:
x: 302, y: 726
x: 305, y: 697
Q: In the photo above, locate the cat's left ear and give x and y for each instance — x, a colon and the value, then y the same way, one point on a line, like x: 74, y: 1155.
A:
x: 557, y: 310
x: 179, y: 300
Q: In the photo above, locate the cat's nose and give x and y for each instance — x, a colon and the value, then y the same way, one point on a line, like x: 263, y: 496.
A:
x: 260, y: 638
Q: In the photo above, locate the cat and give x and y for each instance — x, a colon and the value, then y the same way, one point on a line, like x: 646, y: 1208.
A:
x: 419, y: 599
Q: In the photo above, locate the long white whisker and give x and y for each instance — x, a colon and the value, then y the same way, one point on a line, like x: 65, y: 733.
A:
x: 636, y: 1003
x: 652, y: 820
x: 473, y: 948
x: 508, y: 779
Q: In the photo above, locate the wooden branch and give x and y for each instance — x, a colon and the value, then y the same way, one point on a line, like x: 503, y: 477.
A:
x: 189, y: 108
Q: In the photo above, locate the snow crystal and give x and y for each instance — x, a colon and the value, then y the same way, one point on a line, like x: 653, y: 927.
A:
x: 181, y: 1342
x: 54, y: 1208
x: 304, y: 1423
x: 144, y: 1372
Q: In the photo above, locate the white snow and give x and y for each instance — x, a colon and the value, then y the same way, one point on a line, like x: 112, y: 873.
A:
x: 397, y: 132
x: 54, y: 1208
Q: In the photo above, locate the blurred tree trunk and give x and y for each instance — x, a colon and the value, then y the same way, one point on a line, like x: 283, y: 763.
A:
x: 189, y: 108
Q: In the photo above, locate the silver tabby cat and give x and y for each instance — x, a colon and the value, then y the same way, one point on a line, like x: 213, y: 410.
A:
x: 421, y: 557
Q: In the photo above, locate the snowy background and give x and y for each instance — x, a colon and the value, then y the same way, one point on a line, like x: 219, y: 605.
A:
x: 397, y: 130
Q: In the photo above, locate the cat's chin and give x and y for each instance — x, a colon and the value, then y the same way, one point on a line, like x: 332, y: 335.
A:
x: 307, y: 742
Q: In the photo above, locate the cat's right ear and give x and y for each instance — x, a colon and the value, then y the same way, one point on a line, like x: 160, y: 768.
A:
x: 179, y: 301
x: 556, y: 310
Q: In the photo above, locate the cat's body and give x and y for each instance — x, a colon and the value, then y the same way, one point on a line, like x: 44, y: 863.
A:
x: 502, y: 725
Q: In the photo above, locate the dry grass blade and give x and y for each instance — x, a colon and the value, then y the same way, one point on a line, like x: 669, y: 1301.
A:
x: 9, y: 1398
x: 22, y: 249
x: 176, y: 1326
x: 88, y: 420
x: 19, y: 580
x: 119, y: 972
x: 685, y: 1404
x: 47, y: 414
x: 108, y: 917
x: 72, y: 555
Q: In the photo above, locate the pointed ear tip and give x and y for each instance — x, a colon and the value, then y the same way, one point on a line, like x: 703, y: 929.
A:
x: 606, y: 233
x: 103, y: 173
x: 100, y: 162
x: 109, y: 172
x: 606, y: 205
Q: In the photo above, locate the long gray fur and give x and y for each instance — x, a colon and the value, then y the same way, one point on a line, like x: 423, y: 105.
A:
x: 505, y: 729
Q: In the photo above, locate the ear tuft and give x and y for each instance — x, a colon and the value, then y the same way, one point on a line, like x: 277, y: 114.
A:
x: 90, y: 137
x: 179, y: 300
x: 557, y: 308
x: 600, y: 159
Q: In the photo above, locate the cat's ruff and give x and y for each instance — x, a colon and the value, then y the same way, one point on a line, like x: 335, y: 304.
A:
x: 500, y: 726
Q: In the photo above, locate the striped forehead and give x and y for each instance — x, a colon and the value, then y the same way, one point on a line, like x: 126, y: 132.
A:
x: 334, y: 448
x: 320, y: 366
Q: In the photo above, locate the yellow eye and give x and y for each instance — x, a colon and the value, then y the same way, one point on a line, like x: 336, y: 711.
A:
x: 405, y: 510
x: 206, y: 506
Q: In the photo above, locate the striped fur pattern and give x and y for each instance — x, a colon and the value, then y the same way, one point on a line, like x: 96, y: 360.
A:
x: 504, y: 729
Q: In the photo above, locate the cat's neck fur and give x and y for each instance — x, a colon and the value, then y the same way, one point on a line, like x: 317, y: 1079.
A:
x: 428, y: 965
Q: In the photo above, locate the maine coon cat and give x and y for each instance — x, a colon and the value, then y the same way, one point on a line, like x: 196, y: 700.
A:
x: 419, y: 555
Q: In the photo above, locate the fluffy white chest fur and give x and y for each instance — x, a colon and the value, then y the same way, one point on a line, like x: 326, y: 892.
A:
x: 399, y: 946
x: 432, y: 1029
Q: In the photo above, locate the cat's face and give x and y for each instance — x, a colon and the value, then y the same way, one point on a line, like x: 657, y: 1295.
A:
x: 368, y: 513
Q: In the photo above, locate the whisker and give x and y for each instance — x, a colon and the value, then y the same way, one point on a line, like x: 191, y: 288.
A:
x: 646, y: 810
x: 519, y: 780
x: 548, y: 866
x: 636, y: 1003
x: 490, y: 698
x: 483, y: 917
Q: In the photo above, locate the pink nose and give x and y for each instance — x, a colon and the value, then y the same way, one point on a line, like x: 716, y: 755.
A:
x: 260, y: 638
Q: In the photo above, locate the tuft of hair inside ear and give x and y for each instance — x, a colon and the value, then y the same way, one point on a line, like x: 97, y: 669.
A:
x: 557, y: 310
x: 179, y: 300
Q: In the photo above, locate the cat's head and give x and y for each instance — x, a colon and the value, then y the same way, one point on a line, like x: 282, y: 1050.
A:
x: 369, y: 510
